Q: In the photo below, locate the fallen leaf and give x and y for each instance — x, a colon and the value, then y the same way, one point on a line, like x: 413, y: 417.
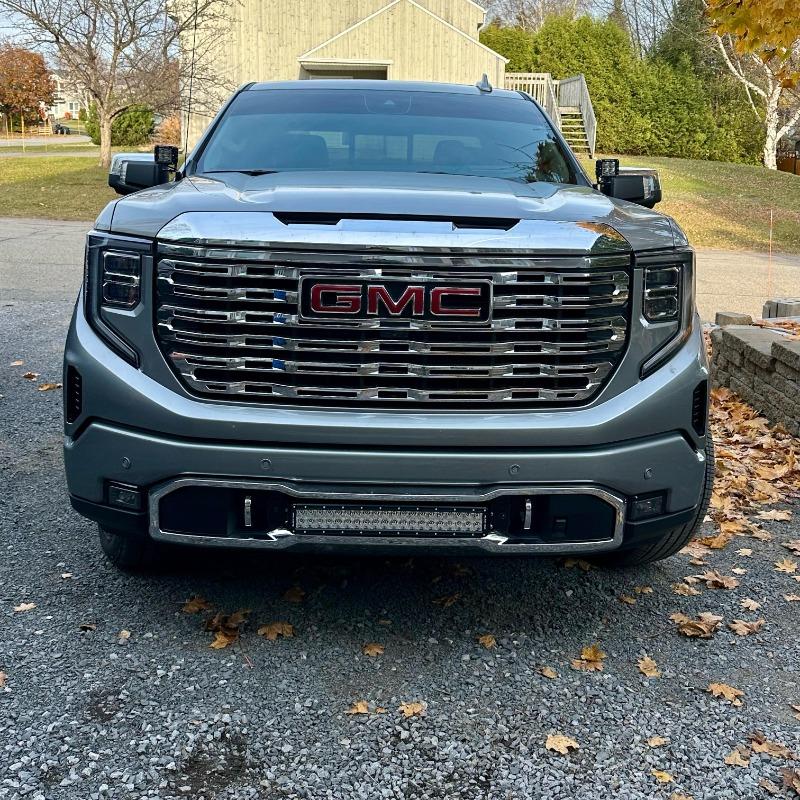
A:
x: 792, y: 598
x: 648, y: 667
x: 704, y: 627
x: 31, y: 376
x: 643, y: 589
x: 786, y: 565
x: 87, y: 626
x: 714, y: 580
x: 591, y: 659
x: 740, y: 757
x: 745, y: 551
x: 627, y: 599
x: 24, y: 607
x: 295, y: 594
x: 359, y: 707
x: 768, y: 786
x: 794, y: 546
x: 726, y: 692
x: 679, y: 796
x: 685, y: 590
x: 569, y: 563
x: 124, y: 635
x: 742, y: 628
x: 739, y: 571
x: 548, y: 672
x: 558, y: 743
x: 657, y: 741
x: 225, y: 628
x: 66, y: 575
x: 223, y: 639
x: 749, y: 604
x: 796, y: 709
x: 273, y: 630
x: 447, y: 600
x: 775, y: 514
x: 413, y: 709
x: 196, y: 604
x: 47, y: 387
x: 661, y: 776
x: 3, y: 679
x: 17, y: 363
x: 372, y: 649
x: 761, y: 744
x: 488, y: 641
x: 791, y: 779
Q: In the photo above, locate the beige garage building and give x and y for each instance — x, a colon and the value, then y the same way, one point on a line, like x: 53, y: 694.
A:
x: 420, y: 40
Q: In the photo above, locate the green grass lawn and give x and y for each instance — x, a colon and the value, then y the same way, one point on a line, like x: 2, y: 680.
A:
x: 727, y: 205
x: 61, y: 187
x: 718, y: 205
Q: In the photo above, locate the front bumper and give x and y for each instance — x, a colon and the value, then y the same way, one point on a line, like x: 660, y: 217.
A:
x: 139, y: 432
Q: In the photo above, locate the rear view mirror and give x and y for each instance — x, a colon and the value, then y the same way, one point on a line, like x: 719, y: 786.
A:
x: 131, y: 172
x: 641, y: 186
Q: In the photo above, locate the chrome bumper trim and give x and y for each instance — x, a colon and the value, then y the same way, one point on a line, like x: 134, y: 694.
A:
x: 282, y: 539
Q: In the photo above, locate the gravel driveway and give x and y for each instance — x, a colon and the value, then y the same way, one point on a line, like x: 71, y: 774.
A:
x: 112, y: 690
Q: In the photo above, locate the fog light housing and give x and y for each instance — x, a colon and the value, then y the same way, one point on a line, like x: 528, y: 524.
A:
x: 649, y: 505
x: 124, y: 496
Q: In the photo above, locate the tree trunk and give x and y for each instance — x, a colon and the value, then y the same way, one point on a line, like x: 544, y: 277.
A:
x: 105, y: 138
x: 771, y: 120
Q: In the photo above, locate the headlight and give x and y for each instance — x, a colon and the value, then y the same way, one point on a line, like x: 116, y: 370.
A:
x: 667, y: 305
x: 113, y: 288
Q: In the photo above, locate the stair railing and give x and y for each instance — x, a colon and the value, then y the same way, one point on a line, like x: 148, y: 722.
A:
x: 540, y: 86
x: 573, y: 92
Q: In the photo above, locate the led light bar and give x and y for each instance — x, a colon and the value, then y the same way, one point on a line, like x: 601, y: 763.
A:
x: 662, y: 291
x: 121, y: 279
x: 389, y: 519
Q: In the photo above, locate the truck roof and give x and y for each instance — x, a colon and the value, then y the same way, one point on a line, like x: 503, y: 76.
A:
x: 379, y: 86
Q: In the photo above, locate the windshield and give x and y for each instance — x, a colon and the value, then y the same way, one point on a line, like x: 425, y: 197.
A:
x: 362, y: 130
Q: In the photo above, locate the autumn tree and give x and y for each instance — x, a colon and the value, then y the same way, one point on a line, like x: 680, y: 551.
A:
x: 760, y: 43
x: 126, y: 53
x: 25, y: 82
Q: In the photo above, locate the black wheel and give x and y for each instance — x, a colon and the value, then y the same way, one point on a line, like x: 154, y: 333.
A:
x: 130, y: 552
x: 673, y: 540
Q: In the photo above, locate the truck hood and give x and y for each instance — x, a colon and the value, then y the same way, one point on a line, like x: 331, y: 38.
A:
x: 415, y: 209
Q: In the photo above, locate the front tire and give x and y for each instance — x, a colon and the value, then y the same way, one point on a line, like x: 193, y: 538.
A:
x: 675, y: 539
x: 129, y: 552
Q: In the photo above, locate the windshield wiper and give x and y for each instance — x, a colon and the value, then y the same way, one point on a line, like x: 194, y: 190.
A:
x: 251, y: 172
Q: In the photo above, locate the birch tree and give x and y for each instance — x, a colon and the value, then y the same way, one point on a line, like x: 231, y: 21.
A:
x: 127, y: 52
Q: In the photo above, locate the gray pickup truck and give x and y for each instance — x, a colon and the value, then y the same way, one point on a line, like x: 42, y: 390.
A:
x: 386, y: 316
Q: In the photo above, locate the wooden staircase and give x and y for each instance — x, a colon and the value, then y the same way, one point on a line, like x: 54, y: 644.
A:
x: 574, y: 129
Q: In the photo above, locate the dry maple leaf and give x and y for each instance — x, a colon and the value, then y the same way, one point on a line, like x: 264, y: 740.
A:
x: 749, y: 604
x: 657, y: 741
x: 124, y: 635
x: 739, y: 571
x: 66, y: 575
x: 273, y: 630
x: 679, y: 796
x: 794, y: 546
x: 742, y: 628
x: 359, y: 707
x: 726, y: 692
x: 591, y: 659
x: 372, y: 649
x: 685, y: 590
x: 775, y: 514
x: 643, y: 590
x: 661, y: 776
x: 786, y: 565
x: 3, y: 679
x: 47, y: 387
x: 703, y: 627
x: 24, y: 607
x: 195, y: 604
x: 714, y: 580
x: 31, y: 376
x: 225, y: 628
x: 569, y: 563
x: 745, y: 551
x: 768, y: 786
x: 796, y: 709
x: 412, y: 709
x: 648, y: 667
x: 87, y: 626
x: 792, y: 598
x: 740, y: 757
x: 548, y: 672
x: 17, y: 363
x: 558, y: 743
x: 761, y: 744
x: 627, y: 599
x: 488, y: 641
x: 223, y: 639
x: 295, y: 594
x: 448, y: 600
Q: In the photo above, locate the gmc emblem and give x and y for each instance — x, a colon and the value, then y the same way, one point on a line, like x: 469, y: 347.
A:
x: 461, y: 303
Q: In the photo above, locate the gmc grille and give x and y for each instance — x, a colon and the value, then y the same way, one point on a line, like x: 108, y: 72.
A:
x: 228, y: 322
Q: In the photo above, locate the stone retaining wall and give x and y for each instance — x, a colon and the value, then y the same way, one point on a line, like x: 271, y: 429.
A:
x: 762, y: 366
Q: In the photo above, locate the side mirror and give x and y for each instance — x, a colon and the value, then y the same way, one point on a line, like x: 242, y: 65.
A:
x: 131, y: 172
x: 641, y: 186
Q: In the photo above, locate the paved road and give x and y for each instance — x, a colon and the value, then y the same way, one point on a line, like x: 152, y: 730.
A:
x: 43, y: 141
x: 86, y: 713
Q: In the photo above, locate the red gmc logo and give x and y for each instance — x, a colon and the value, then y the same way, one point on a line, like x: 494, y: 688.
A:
x: 465, y: 303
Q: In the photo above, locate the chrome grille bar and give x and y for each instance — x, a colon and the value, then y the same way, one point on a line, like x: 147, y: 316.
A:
x: 228, y: 322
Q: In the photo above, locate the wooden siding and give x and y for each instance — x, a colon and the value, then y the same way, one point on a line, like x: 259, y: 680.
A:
x: 435, y: 40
